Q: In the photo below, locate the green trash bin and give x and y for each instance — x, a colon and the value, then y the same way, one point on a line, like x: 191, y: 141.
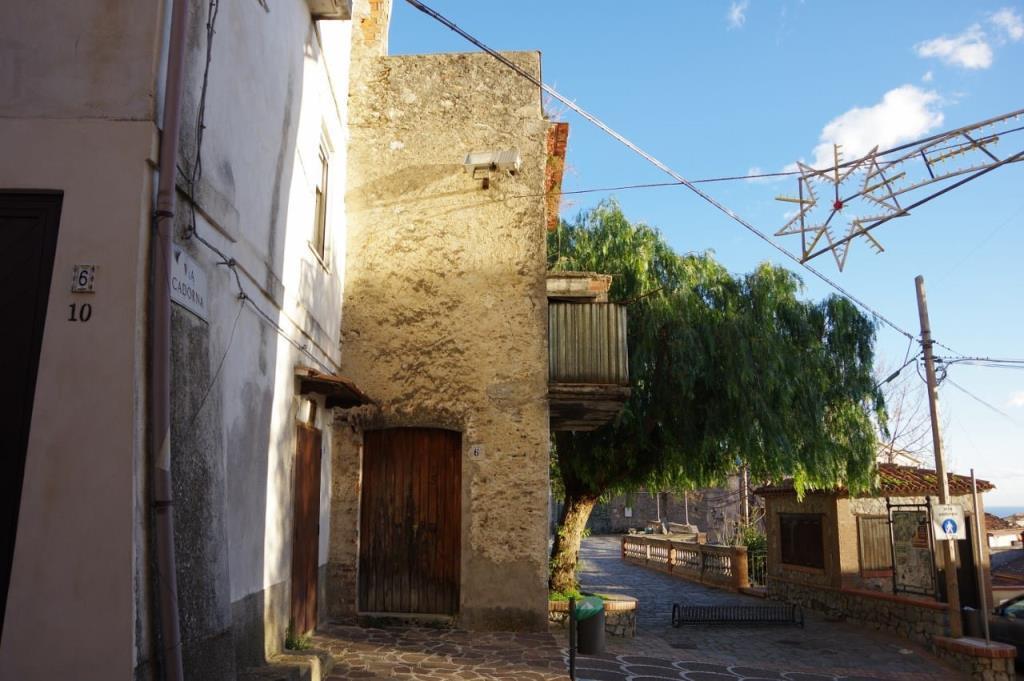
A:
x: 590, y: 626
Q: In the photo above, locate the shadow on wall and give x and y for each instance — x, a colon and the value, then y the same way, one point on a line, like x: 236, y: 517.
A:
x: 232, y: 436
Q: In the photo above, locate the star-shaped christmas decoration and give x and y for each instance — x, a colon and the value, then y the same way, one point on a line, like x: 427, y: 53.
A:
x: 818, y: 222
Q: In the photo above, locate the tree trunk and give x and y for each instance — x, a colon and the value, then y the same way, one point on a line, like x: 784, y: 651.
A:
x: 565, y: 551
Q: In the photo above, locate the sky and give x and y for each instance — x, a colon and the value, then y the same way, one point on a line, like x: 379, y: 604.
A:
x: 726, y: 88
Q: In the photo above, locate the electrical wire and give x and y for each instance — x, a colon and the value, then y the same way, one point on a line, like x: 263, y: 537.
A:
x: 655, y: 162
x: 991, y: 363
x: 893, y: 375
x: 192, y: 178
x: 751, y: 176
x: 220, y: 365
x: 947, y: 379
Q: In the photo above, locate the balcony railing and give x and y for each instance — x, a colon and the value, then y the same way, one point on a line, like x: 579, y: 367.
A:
x: 588, y: 364
x: 587, y: 343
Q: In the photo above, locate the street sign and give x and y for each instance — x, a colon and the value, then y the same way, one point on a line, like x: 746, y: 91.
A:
x: 948, y: 521
x: 188, y: 284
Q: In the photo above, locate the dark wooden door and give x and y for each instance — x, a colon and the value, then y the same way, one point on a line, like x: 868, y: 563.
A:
x: 306, y: 529
x: 28, y: 231
x: 967, y: 572
x: 410, y: 521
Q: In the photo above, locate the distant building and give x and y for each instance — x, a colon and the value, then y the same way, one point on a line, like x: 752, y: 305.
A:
x: 714, y: 511
x: 1002, y: 533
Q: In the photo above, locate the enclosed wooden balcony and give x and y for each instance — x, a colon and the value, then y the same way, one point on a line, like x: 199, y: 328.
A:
x: 588, y: 362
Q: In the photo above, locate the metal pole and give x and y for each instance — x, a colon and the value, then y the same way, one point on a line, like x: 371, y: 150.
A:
x: 172, y: 666
x: 572, y: 638
x: 686, y: 507
x: 948, y: 547
x: 657, y: 502
x: 982, y: 596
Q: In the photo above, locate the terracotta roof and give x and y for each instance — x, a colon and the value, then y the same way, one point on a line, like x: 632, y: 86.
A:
x: 558, y: 138
x: 896, y: 481
x: 338, y: 390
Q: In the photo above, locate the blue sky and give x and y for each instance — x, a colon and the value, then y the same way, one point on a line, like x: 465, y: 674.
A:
x: 724, y: 88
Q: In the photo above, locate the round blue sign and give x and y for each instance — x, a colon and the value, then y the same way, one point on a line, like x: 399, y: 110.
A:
x: 949, y: 526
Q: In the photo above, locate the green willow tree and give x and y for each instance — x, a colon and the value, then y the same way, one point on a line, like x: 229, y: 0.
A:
x: 723, y: 369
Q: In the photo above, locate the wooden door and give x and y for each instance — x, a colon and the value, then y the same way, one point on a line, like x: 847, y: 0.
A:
x: 410, y: 521
x: 306, y: 529
x: 28, y: 230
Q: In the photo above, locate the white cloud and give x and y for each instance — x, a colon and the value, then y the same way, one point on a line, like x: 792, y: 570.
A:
x: 905, y: 113
x: 757, y: 170
x: 969, y: 50
x: 737, y: 15
x: 927, y: 77
x: 1008, y: 20
x: 1016, y: 399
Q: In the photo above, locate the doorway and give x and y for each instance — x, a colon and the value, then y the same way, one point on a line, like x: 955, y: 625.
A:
x: 306, y: 529
x: 411, y: 521
x: 28, y: 227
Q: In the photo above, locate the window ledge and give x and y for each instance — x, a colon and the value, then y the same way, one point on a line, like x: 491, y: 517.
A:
x: 870, y: 574
x: 803, y: 568
x: 318, y: 258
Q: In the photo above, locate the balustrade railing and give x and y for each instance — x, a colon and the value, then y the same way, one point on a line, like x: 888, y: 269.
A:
x: 718, y: 565
x: 757, y: 567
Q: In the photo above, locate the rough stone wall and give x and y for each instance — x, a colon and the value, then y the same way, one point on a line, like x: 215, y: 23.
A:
x: 445, y: 311
x: 901, y: 616
x: 346, y: 480
x: 979, y: 667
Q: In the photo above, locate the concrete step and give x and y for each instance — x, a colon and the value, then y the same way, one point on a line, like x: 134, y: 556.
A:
x: 292, y: 665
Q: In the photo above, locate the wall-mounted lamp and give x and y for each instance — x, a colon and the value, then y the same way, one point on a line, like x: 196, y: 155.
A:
x: 482, y: 165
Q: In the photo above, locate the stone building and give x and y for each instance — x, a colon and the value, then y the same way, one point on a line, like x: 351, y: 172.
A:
x: 716, y: 512
x: 870, y: 557
x: 445, y: 324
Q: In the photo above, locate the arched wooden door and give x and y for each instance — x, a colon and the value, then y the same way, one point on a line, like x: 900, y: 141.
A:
x: 410, y: 521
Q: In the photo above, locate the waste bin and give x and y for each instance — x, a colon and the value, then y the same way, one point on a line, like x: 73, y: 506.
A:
x: 972, y: 623
x: 590, y: 626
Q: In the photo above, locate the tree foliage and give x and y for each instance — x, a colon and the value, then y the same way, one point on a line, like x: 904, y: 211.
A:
x: 723, y: 369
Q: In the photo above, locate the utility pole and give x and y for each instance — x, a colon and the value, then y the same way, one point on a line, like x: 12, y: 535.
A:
x: 947, y: 547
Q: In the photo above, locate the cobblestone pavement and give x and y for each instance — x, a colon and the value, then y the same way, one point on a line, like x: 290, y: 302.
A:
x: 420, y: 654
x: 823, y: 650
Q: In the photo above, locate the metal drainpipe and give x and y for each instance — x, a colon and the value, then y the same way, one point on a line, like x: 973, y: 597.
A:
x: 160, y: 348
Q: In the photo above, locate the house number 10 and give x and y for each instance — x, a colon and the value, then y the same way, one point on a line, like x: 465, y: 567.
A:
x: 80, y: 313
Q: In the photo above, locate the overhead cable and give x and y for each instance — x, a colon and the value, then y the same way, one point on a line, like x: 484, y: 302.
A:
x: 965, y: 391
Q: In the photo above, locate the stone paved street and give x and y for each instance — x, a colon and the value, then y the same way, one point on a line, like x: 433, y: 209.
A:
x: 823, y: 650
x: 436, y: 654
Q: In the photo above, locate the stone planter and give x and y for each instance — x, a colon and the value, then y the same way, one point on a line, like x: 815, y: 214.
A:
x: 619, y: 615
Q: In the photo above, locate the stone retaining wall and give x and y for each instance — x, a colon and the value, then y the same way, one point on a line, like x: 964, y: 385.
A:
x: 983, y: 661
x: 619, y: 616
x: 915, y: 619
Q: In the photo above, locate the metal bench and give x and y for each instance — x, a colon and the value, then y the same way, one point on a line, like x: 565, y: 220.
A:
x: 775, y: 613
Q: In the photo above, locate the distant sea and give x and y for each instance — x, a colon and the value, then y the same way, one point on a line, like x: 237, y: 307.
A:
x: 1003, y: 511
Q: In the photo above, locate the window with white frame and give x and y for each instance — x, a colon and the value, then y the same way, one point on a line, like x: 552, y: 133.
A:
x: 319, y: 240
